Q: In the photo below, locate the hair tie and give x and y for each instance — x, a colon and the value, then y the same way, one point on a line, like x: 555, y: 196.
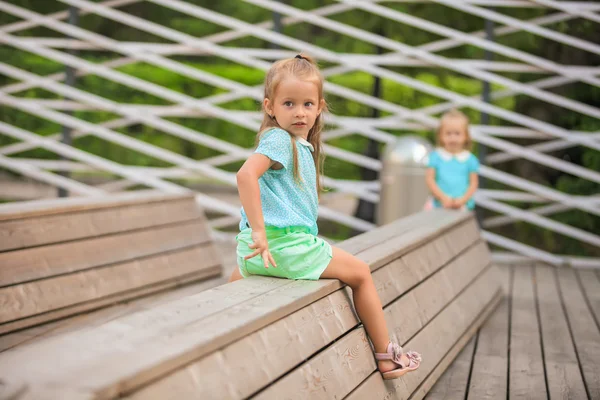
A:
x: 300, y: 57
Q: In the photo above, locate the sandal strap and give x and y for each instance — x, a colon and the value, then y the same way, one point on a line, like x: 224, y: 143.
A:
x: 394, y: 353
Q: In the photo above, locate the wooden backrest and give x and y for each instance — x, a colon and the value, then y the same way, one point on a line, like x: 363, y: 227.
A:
x: 273, y: 338
x: 63, y: 256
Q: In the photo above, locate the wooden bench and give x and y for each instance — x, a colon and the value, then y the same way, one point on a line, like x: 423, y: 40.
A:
x: 61, y: 257
x: 269, y: 338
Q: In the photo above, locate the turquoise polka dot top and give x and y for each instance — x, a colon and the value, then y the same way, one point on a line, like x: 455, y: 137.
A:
x: 286, y: 202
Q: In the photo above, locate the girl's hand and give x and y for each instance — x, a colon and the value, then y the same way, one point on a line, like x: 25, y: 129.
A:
x: 259, y: 242
x: 447, y: 202
x: 459, y: 203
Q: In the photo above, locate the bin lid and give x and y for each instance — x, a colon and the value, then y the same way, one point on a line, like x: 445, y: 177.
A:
x: 408, y: 150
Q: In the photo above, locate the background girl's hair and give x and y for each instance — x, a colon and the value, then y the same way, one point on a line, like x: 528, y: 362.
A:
x: 455, y: 114
x: 305, y: 68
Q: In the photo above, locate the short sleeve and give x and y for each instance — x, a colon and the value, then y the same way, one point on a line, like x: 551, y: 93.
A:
x: 434, y: 160
x: 473, y: 164
x: 277, y: 145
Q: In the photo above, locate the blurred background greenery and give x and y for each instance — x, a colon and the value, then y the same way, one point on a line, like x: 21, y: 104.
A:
x: 359, y: 81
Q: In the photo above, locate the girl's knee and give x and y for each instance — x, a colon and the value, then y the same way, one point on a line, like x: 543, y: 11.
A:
x: 362, y: 274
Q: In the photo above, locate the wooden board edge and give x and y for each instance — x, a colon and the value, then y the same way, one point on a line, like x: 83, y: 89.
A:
x: 445, y: 362
x: 210, y: 272
x: 36, y: 208
x: 202, y: 237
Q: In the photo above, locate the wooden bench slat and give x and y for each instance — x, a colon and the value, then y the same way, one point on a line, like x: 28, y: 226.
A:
x: 375, y: 387
x: 445, y: 362
x: 405, y: 318
x: 162, y: 293
x: 586, y: 334
x: 66, y: 226
x: 279, y: 347
x: 27, y: 299
x: 560, y: 360
x: 416, y: 308
x: 35, y: 208
x: 442, y: 334
x: 57, y: 259
x: 427, y: 340
x: 317, y: 324
x: 391, y: 249
x: 333, y: 373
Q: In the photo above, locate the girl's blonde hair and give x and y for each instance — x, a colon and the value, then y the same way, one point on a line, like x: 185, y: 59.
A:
x: 305, y: 68
x: 455, y: 114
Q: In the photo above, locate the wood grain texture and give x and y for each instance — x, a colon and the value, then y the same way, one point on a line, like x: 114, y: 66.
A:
x: 73, y: 225
x: 28, y: 299
x: 55, y: 315
x: 36, y: 208
x: 436, y: 339
x: 57, y: 259
x: 584, y: 329
x: 139, y: 355
x: 335, y: 385
x: 445, y: 362
x: 490, y: 361
x: 526, y: 369
x: 454, y: 382
x: 151, y: 296
x: 333, y: 373
x: 293, y: 339
x: 562, y: 369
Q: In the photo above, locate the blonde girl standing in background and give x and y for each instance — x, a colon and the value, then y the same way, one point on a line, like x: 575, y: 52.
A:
x: 452, y: 173
x: 279, y: 186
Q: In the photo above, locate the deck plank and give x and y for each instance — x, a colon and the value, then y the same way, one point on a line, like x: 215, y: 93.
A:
x: 584, y: 330
x: 526, y: 370
x: 562, y: 369
x: 489, y: 376
x: 590, y: 281
x: 454, y: 382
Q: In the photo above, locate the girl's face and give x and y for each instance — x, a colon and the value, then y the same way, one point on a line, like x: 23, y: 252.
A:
x: 295, y: 106
x: 453, y: 135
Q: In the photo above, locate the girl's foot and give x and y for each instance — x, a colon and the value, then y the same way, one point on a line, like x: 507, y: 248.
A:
x: 396, y: 363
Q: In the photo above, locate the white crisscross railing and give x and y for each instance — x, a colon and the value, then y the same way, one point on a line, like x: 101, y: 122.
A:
x: 425, y: 56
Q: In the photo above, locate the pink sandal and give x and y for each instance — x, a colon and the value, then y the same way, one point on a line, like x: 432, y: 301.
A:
x: 394, y: 353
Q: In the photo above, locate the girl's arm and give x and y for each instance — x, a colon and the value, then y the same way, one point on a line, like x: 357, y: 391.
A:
x: 249, y: 190
x: 435, y: 189
x: 473, y: 184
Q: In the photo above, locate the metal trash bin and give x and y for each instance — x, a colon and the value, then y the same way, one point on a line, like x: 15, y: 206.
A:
x: 402, y: 177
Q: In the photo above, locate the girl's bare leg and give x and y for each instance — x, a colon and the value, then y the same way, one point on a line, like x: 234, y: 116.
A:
x: 235, y: 275
x: 357, y: 274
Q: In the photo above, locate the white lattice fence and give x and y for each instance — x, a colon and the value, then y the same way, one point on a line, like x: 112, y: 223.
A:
x: 399, y: 117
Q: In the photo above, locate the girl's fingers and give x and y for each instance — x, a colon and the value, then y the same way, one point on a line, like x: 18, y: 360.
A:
x: 254, y: 254
x: 253, y: 245
x: 273, y: 263
x: 265, y: 257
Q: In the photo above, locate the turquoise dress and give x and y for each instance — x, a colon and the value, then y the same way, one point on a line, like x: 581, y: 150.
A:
x: 452, y: 173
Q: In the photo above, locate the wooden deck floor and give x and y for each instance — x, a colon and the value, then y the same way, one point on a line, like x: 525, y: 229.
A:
x: 543, y: 341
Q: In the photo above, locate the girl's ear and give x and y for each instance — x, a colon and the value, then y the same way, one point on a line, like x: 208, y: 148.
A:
x: 267, y: 106
x: 322, y: 106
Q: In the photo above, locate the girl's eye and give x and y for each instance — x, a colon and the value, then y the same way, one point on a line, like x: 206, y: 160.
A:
x: 308, y: 104
x: 287, y: 104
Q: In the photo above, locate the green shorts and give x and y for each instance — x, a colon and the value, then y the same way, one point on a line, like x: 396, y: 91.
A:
x: 298, y: 254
